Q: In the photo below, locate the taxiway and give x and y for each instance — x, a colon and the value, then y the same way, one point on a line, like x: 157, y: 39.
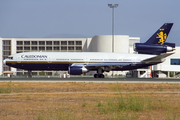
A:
x: 90, y: 79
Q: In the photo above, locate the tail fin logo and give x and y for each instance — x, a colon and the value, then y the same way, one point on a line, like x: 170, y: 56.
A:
x: 162, y: 36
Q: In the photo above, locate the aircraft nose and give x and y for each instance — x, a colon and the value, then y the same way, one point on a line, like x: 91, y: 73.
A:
x: 4, y: 62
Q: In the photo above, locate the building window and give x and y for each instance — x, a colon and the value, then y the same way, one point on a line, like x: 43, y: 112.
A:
x: 6, y: 52
x: 70, y: 48
x: 19, y: 48
x: 34, y: 48
x: 33, y: 42
x: 26, y: 48
x: 6, y: 68
x: 41, y: 42
x: 19, y: 42
x: 78, y: 42
x: 48, y: 48
x: 175, y: 61
x: 48, y: 42
x: 26, y: 42
x: 56, y: 42
x: 63, y: 48
x: 6, y: 48
x: 56, y: 48
x: 63, y: 42
x: 41, y: 48
x: 78, y: 48
x: 6, y: 42
x: 70, y: 42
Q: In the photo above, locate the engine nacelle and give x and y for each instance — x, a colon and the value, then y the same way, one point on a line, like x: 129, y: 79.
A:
x: 151, y: 48
x: 77, y: 70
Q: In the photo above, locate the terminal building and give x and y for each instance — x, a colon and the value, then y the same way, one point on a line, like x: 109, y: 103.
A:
x: 99, y: 43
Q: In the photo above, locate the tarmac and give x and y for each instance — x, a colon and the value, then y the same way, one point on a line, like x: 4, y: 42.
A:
x: 94, y: 80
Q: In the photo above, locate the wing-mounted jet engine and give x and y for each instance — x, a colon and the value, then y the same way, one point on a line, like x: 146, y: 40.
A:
x: 77, y: 69
x: 156, y: 43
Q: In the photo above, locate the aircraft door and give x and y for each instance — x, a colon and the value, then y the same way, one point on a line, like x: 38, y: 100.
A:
x: 86, y: 60
x: 19, y: 59
x: 49, y: 60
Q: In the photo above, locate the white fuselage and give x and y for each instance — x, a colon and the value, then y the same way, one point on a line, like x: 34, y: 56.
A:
x: 62, y: 60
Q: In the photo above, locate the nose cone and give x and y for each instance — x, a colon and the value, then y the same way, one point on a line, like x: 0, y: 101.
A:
x: 4, y: 62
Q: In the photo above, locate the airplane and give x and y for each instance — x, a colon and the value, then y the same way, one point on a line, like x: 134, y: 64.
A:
x: 152, y: 52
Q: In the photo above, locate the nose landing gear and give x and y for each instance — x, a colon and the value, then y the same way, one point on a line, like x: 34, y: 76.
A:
x: 29, y: 74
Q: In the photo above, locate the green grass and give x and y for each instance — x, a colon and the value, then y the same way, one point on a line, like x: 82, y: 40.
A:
x: 6, y: 89
x: 84, y: 104
x: 109, y: 106
x: 121, y: 107
x: 56, y: 114
x: 126, y: 103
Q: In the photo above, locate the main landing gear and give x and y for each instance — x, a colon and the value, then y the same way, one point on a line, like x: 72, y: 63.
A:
x: 99, y: 73
x: 98, y: 76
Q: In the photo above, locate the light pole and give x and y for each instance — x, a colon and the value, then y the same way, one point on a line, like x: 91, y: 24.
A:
x: 113, y: 6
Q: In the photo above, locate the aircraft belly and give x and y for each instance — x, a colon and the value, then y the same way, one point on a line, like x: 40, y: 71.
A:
x: 42, y: 66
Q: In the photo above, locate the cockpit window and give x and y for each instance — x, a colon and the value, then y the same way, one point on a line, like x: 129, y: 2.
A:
x: 10, y: 58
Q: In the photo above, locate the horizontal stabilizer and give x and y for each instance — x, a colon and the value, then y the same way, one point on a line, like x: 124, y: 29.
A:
x: 170, y: 44
x: 158, y: 58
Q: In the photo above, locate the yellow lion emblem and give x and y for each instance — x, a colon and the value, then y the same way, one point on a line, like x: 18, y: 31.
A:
x: 162, y: 36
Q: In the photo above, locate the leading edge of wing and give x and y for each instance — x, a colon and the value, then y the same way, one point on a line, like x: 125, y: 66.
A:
x: 159, y: 58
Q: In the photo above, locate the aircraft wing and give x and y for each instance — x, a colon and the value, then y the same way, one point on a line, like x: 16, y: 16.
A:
x: 156, y: 59
x: 159, y: 58
x: 110, y: 65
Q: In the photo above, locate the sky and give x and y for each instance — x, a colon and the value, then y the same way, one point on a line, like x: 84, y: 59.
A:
x: 87, y: 18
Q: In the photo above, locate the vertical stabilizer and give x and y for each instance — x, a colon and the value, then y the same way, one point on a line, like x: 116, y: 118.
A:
x: 160, y: 36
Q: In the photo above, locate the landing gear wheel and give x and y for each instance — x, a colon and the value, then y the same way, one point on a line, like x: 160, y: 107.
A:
x: 98, y: 76
x: 101, y: 76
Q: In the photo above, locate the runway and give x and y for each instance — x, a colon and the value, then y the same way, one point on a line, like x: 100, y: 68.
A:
x: 95, y: 80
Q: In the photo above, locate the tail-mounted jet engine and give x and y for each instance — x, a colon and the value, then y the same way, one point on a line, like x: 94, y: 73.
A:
x: 142, y: 48
x: 77, y: 70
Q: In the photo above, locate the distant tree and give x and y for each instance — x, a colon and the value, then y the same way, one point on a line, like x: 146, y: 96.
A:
x: 120, y: 75
x: 171, y: 74
x: 56, y: 74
